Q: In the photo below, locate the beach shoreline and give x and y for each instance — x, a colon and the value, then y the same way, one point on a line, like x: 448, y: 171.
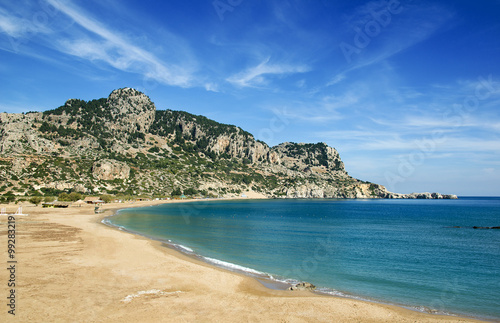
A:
x: 69, y: 259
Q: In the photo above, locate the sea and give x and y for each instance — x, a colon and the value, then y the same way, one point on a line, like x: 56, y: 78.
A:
x: 424, y: 255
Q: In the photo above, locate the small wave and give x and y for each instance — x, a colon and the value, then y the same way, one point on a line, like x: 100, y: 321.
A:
x: 108, y: 222
x: 287, y: 281
x: 121, y: 228
x: 183, y: 248
x: 337, y: 293
x: 428, y: 310
x: 232, y: 266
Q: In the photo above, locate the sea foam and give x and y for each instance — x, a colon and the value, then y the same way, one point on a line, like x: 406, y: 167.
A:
x: 183, y: 248
x: 235, y: 267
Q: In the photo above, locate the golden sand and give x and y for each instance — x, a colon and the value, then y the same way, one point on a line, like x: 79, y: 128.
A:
x: 72, y: 268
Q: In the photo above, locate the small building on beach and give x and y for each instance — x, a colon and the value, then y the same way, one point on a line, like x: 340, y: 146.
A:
x: 93, y: 200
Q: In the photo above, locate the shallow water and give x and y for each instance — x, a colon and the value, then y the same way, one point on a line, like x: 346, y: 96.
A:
x: 404, y: 252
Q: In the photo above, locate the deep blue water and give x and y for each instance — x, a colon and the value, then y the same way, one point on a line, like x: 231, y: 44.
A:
x: 402, y: 252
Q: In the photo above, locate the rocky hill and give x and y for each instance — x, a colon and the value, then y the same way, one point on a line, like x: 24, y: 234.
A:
x: 124, y: 145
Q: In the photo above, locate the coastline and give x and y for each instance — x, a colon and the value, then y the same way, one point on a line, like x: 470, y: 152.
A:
x: 67, y: 259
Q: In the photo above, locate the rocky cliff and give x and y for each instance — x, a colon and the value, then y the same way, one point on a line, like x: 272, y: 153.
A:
x: 124, y: 145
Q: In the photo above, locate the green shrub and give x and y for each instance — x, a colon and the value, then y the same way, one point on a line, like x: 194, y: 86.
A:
x: 154, y: 150
x: 107, y: 198
x: 190, y: 191
x: 63, y: 197
x: 49, y: 199
x: 177, y: 192
x: 35, y: 200
x: 74, y: 196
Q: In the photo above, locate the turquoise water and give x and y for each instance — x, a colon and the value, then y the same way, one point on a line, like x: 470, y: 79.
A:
x: 403, y: 252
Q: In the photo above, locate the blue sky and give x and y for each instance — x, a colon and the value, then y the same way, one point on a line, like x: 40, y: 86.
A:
x: 407, y: 91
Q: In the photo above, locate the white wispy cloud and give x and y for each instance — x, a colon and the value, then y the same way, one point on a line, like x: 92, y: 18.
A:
x: 337, y: 79
x: 19, y: 27
x: 310, y: 115
x: 446, y: 108
x: 411, y: 122
x: 319, y: 110
x: 387, y: 140
x: 367, y: 139
x: 344, y: 100
x: 211, y: 87
x: 448, y: 144
x: 70, y: 29
x: 10, y: 25
x: 115, y: 50
x: 259, y: 75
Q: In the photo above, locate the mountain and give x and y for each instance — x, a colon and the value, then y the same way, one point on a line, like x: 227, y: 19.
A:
x: 123, y: 145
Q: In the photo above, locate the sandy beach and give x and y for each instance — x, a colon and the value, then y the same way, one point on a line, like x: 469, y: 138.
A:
x: 72, y: 268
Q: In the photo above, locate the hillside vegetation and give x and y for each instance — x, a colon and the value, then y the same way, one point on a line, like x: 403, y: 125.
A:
x: 124, y: 145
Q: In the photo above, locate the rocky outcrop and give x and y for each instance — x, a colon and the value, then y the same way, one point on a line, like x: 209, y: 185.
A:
x: 108, y: 169
x: 430, y: 196
x: 17, y: 135
x: 131, y: 110
x: 356, y: 190
x: 423, y: 196
x: 302, y: 156
x: 19, y: 165
x: 62, y: 186
x: 302, y: 286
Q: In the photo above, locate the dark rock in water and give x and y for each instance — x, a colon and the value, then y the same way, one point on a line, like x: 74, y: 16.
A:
x: 485, y: 228
x: 303, y: 286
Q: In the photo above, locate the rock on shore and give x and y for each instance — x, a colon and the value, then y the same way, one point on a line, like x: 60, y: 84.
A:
x: 302, y: 286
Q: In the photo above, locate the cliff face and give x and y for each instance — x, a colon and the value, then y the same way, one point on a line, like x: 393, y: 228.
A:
x: 122, y: 144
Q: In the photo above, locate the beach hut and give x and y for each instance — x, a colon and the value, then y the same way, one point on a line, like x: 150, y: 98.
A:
x: 61, y: 205
x: 93, y: 200
x: 183, y: 196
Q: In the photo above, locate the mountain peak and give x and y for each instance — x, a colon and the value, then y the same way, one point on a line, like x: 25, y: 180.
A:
x: 126, y: 91
x: 131, y: 110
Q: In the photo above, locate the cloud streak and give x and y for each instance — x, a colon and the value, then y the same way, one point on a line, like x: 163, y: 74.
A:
x: 117, y: 51
x: 260, y: 75
x: 384, y: 140
x: 70, y: 30
x: 12, y: 26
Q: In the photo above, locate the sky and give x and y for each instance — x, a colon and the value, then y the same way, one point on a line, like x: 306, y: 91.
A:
x: 408, y: 92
